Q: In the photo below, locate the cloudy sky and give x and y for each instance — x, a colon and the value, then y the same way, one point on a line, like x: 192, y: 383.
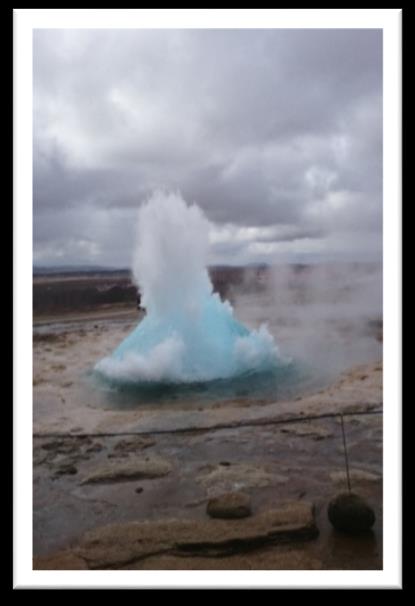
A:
x: 276, y: 134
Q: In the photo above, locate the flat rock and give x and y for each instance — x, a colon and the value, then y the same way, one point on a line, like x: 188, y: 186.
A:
x: 142, y: 469
x: 356, y: 475
x: 123, y: 545
x: 262, y: 559
x: 64, y: 560
x: 230, y: 505
x: 220, y: 479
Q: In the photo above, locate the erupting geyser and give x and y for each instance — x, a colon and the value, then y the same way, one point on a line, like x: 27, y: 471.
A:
x: 188, y: 334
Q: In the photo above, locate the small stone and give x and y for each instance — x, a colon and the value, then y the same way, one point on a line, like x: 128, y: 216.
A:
x: 350, y: 513
x: 139, y: 489
x: 229, y: 505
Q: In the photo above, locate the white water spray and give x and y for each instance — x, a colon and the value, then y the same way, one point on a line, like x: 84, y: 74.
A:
x: 188, y: 334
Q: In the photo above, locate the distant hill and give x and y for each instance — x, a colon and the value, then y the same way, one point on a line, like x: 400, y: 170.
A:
x: 39, y: 270
x: 87, y: 287
x: 64, y: 270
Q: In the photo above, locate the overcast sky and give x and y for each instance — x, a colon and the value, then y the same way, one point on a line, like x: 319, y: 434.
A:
x: 276, y: 134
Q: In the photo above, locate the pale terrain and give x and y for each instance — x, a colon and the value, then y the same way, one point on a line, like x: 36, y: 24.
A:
x: 124, y: 484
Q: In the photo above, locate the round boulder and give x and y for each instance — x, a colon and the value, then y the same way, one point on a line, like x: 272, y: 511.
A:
x: 230, y: 505
x: 350, y: 513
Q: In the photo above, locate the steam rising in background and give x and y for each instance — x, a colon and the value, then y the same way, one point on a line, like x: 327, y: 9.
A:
x: 325, y: 317
x: 329, y: 316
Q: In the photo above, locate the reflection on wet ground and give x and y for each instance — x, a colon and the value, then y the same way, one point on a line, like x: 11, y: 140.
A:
x: 273, y: 464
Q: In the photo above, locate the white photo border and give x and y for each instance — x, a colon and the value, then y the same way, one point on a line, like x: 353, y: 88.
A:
x: 24, y: 21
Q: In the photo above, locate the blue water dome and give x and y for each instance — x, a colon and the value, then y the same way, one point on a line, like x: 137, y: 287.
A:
x: 188, y: 334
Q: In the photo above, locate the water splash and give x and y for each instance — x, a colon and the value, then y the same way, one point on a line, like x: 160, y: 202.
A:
x: 189, y: 335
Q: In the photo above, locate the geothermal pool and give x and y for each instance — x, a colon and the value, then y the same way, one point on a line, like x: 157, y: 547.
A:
x: 191, y: 343
x: 66, y: 352
x: 275, y: 339
x: 189, y: 335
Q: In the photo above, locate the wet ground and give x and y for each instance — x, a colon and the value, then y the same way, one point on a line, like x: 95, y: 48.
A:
x: 272, y: 463
x: 180, y: 452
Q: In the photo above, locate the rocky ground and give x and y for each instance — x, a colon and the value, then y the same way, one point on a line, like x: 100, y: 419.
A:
x: 130, y: 488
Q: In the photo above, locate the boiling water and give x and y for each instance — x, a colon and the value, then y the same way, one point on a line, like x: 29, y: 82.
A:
x: 189, y: 336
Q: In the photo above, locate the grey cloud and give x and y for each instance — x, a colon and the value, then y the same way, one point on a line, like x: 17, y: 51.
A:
x: 259, y: 127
